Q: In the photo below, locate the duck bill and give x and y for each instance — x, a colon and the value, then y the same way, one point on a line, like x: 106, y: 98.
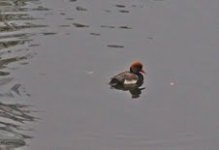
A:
x: 142, y: 71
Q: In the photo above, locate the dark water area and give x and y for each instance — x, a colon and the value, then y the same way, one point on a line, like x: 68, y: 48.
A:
x: 18, y: 26
x: 57, y: 57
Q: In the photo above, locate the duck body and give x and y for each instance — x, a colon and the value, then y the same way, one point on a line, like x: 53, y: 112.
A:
x: 129, y: 79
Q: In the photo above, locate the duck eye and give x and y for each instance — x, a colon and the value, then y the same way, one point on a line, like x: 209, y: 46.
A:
x: 139, y: 67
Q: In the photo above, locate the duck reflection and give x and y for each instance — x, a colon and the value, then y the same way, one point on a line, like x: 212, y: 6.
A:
x: 134, y: 91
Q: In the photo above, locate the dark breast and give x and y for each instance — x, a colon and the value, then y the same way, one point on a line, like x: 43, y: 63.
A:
x: 140, y: 79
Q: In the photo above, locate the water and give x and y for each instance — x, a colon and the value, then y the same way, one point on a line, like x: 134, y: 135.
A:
x: 79, y: 44
x: 18, y: 25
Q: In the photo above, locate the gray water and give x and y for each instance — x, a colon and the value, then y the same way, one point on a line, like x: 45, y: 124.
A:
x: 80, y: 44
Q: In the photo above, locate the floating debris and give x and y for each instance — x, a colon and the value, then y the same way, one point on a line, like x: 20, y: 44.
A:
x: 172, y: 83
x: 78, y: 25
x: 115, y: 46
x: 72, y: 0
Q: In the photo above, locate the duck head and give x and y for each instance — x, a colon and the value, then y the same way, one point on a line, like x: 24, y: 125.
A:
x: 137, y: 67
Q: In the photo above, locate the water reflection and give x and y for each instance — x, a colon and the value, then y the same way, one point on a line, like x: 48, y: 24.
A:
x: 123, y: 11
x: 95, y: 34
x: 135, y: 92
x: 120, y: 6
x: 15, y: 45
x: 79, y: 8
x: 115, y: 46
x: 11, y: 135
x: 79, y: 25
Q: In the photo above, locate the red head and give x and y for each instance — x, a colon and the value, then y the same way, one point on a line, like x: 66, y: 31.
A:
x: 137, y: 67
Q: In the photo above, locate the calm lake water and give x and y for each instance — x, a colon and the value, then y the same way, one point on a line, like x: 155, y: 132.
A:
x: 57, y: 57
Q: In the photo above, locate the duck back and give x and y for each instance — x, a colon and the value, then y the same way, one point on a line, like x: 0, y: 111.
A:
x: 118, y: 79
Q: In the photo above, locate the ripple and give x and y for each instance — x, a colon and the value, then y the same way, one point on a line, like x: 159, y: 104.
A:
x: 107, y: 26
x: 114, y: 27
x: 79, y: 25
x: 79, y: 8
x: 120, y: 6
x: 124, y: 11
x: 125, y: 27
x: 17, y: 29
x: 95, y: 34
x: 115, y: 46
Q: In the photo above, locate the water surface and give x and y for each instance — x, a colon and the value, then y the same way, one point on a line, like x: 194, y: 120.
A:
x: 18, y: 26
x: 176, y: 40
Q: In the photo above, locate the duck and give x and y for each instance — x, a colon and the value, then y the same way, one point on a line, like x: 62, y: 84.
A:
x: 129, y: 79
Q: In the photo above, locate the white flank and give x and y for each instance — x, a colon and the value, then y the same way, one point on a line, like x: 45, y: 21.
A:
x: 129, y: 82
